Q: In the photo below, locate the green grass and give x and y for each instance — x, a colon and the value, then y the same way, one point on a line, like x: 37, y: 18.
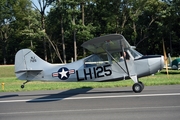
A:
x: 12, y: 84
x: 7, y: 71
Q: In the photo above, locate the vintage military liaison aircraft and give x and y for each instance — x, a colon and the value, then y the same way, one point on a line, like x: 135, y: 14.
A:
x: 105, y: 64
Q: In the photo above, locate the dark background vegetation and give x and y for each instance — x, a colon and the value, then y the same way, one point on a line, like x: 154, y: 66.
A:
x: 57, y: 36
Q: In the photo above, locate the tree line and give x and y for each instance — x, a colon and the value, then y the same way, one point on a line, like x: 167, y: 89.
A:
x: 57, y: 36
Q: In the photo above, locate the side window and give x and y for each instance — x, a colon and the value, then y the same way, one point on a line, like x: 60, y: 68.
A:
x: 96, y: 60
x: 118, y: 56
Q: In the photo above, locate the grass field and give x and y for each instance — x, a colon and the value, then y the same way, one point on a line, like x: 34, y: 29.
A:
x: 12, y: 84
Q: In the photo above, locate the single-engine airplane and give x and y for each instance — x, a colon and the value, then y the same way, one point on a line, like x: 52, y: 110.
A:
x: 103, y: 65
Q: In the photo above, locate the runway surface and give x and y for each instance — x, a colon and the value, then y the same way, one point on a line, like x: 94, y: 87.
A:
x: 154, y: 103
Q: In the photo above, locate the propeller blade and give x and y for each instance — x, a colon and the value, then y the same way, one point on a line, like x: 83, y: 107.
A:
x: 165, y: 58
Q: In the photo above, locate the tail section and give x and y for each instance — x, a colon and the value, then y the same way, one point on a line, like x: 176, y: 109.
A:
x: 28, y: 65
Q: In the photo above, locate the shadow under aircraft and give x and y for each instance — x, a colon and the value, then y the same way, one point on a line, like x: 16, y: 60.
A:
x: 73, y: 92
x: 61, y: 95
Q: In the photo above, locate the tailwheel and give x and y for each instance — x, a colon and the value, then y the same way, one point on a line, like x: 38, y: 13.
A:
x: 23, y: 85
x: 138, y: 87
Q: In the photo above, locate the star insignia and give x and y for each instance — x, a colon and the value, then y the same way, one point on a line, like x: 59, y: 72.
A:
x: 63, y: 73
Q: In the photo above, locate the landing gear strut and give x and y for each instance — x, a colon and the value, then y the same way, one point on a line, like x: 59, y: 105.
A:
x: 138, y: 87
x: 23, y: 85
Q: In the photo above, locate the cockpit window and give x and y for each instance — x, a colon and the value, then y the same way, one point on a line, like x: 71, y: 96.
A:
x: 118, y: 56
x: 135, y: 53
x: 96, y: 59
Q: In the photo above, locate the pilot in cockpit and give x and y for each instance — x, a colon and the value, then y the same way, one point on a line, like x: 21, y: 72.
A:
x: 126, y: 56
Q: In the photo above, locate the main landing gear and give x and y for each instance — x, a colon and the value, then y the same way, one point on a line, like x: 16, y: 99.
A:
x: 23, y: 85
x: 138, y: 87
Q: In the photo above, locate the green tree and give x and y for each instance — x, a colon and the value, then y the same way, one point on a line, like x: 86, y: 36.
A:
x: 6, y: 17
x: 23, y: 28
x: 42, y: 7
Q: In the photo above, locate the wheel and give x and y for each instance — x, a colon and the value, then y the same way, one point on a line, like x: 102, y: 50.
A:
x: 137, y: 87
x: 22, y: 86
x: 141, y: 84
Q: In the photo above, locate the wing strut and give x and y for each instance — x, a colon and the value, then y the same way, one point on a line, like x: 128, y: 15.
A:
x: 125, y: 61
x: 133, y: 77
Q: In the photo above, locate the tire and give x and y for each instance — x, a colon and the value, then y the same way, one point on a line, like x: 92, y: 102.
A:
x: 137, y: 87
x: 142, y: 84
x: 22, y: 86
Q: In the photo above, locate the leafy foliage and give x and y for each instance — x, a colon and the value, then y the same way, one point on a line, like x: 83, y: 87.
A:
x: 69, y: 23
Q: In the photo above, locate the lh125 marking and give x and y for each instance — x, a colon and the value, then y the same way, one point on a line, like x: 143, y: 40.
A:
x: 95, y: 72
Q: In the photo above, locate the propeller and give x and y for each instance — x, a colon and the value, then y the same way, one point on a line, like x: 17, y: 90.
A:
x: 165, y: 58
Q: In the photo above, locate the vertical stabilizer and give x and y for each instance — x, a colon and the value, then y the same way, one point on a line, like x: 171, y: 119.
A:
x: 26, y: 61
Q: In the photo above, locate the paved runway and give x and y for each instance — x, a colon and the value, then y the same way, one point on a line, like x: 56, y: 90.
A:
x: 154, y: 103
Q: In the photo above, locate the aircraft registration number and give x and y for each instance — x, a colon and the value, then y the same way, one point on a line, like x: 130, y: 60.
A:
x: 95, y: 72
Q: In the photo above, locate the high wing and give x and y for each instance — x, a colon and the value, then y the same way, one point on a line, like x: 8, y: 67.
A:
x: 112, y: 42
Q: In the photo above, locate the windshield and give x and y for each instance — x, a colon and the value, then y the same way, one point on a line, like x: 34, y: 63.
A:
x: 135, y: 53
